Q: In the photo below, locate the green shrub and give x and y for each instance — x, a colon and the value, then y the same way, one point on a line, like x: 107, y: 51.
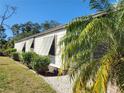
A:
x: 35, y: 61
x: 40, y: 63
x: 27, y: 58
x: 9, y: 51
x: 1, y: 52
x: 16, y: 56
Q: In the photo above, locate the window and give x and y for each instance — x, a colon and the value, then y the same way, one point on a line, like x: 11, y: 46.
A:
x: 23, y: 49
x: 52, y: 49
x: 32, y: 45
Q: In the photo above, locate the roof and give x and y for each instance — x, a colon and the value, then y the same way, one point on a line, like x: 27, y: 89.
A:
x: 43, y: 33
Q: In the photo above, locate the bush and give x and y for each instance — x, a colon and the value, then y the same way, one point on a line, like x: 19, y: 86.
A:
x: 1, y: 52
x: 16, y: 56
x: 9, y: 51
x: 40, y: 63
x: 35, y: 61
x: 27, y: 58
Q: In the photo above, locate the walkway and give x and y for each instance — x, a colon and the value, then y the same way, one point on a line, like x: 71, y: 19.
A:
x: 61, y: 84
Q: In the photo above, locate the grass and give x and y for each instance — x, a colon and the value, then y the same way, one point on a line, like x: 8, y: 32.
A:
x: 16, y: 78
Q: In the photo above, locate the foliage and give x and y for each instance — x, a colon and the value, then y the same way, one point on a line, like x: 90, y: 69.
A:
x: 40, y: 63
x: 49, y: 24
x: 9, y: 51
x: 100, y: 4
x: 1, y: 52
x: 9, y: 11
x: 27, y: 29
x: 27, y: 57
x: 2, y: 33
x: 16, y: 56
x: 15, y: 29
x: 35, y: 61
x: 2, y: 43
x: 6, y: 47
x: 23, y: 30
x: 86, y: 61
x: 9, y: 43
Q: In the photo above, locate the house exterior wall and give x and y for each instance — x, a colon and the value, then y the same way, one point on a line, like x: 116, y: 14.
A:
x: 58, y: 48
x: 19, y: 46
x: 28, y: 44
x: 38, y: 42
x: 42, y: 44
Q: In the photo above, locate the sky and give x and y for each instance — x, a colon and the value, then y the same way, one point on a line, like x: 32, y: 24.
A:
x: 62, y: 11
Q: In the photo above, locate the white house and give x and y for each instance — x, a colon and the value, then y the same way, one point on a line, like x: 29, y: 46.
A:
x: 47, y: 43
x: 44, y: 43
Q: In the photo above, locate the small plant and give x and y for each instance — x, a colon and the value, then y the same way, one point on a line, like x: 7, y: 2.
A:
x: 27, y: 58
x: 16, y: 56
x: 40, y: 63
x: 1, y: 52
x: 35, y: 61
x: 9, y: 51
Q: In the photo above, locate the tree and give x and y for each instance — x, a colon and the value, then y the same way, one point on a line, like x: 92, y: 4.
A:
x: 93, y: 51
x: 49, y: 24
x: 30, y: 27
x: 24, y: 30
x: 9, y: 11
x: 15, y: 29
x: 2, y: 33
x: 100, y: 5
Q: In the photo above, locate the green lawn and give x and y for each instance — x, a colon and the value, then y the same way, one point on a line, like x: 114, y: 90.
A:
x: 15, y: 78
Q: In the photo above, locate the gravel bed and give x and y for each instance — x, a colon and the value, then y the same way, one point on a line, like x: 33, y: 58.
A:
x: 61, y: 84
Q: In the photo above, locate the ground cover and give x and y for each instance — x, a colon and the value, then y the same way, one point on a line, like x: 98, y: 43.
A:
x: 16, y: 78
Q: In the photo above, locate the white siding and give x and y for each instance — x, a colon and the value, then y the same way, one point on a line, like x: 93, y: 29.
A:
x: 43, y: 43
x: 19, y: 46
x: 28, y: 44
x: 37, y: 44
x: 58, y: 60
x: 46, y: 44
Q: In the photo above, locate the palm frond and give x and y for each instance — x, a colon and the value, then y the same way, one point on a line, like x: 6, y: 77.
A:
x: 91, y: 48
x: 102, y: 76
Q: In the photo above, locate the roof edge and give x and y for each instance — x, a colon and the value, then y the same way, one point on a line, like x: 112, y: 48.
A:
x: 42, y: 33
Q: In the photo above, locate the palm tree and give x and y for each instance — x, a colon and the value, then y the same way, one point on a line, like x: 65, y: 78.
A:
x: 93, y: 51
